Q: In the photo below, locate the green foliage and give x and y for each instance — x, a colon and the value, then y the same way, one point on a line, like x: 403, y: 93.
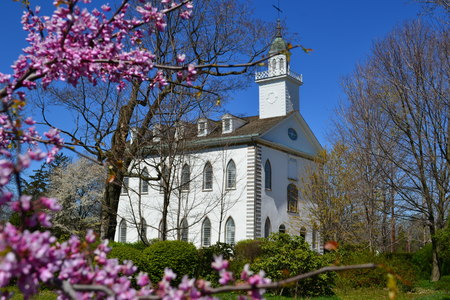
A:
x: 179, y: 256
x: 246, y: 252
x: 284, y: 256
x: 206, y: 257
x: 398, y: 263
x: 443, y: 284
x: 126, y: 252
x: 248, y: 249
x: 422, y: 259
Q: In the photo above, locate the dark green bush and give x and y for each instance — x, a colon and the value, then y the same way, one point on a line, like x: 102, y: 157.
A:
x: 443, y: 284
x: 126, y: 252
x: 179, y: 256
x: 284, y: 256
x: 206, y: 257
x: 423, y: 258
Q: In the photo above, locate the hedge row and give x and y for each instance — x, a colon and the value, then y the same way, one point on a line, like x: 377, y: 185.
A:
x: 280, y: 256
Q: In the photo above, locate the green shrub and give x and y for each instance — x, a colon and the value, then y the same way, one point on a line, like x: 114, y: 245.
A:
x: 179, y: 256
x: 399, y: 263
x: 284, y: 256
x: 206, y: 257
x: 245, y: 252
x: 126, y: 252
x: 248, y: 250
x: 443, y: 284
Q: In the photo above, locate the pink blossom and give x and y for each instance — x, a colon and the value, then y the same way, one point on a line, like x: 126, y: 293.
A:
x: 90, y: 236
x: 181, y: 58
x: 50, y: 203
x: 142, y: 279
x: 219, y: 263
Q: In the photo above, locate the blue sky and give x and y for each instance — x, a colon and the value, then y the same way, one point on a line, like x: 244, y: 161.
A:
x: 340, y: 32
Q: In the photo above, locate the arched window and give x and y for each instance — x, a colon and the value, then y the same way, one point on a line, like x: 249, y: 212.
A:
x: 292, y: 198
x: 123, y: 231
x: 231, y: 175
x: 143, y: 229
x: 206, y: 233
x: 208, y: 176
x: 268, y: 175
x: 184, y: 230
x: 303, y: 233
x: 274, y: 65
x: 185, y: 178
x: 230, y: 230
x: 125, y: 184
x: 267, y: 228
x: 282, y: 229
x: 144, y: 183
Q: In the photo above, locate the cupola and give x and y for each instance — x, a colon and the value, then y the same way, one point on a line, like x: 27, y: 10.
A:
x: 278, y: 85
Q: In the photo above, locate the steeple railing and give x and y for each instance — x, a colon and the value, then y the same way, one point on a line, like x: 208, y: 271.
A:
x: 271, y: 73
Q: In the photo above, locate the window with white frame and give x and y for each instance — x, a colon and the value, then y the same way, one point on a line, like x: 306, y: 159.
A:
x: 268, y: 175
x: 202, y: 128
x: 231, y: 175
x: 208, y: 177
x: 123, y: 231
x: 282, y: 229
x: 144, y: 182
x: 226, y: 125
x: 206, y: 233
x: 303, y: 233
x: 185, y: 177
x: 230, y: 231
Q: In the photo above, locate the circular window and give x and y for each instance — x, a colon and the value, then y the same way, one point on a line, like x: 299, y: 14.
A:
x: 292, y: 134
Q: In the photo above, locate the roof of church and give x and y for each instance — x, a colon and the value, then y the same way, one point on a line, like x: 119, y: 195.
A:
x: 254, y: 126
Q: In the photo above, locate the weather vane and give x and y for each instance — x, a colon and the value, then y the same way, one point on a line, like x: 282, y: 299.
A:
x: 277, y: 7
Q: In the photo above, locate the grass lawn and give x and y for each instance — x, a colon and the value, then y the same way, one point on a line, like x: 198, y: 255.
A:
x: 368, y: 294
x: 422, y: 292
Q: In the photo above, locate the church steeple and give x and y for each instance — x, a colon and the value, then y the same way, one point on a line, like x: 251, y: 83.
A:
x: 278, y: 85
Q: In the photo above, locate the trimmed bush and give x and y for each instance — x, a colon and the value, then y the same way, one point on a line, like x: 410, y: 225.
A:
x: 179, y: 256
x: 245, y: 252
x: 126, y: 252
x: 284, y: 256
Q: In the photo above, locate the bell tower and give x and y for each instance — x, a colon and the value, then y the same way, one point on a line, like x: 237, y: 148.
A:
x: 278, y: 85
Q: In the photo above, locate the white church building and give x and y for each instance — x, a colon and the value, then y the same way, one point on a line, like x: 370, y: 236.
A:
x: 242, y: 177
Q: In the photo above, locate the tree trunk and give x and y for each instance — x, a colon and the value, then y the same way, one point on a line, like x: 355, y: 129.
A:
x: 110, y: 206
x: 435, y: 267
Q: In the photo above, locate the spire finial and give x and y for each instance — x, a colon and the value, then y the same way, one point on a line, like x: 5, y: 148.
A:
x: 278, y: 28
